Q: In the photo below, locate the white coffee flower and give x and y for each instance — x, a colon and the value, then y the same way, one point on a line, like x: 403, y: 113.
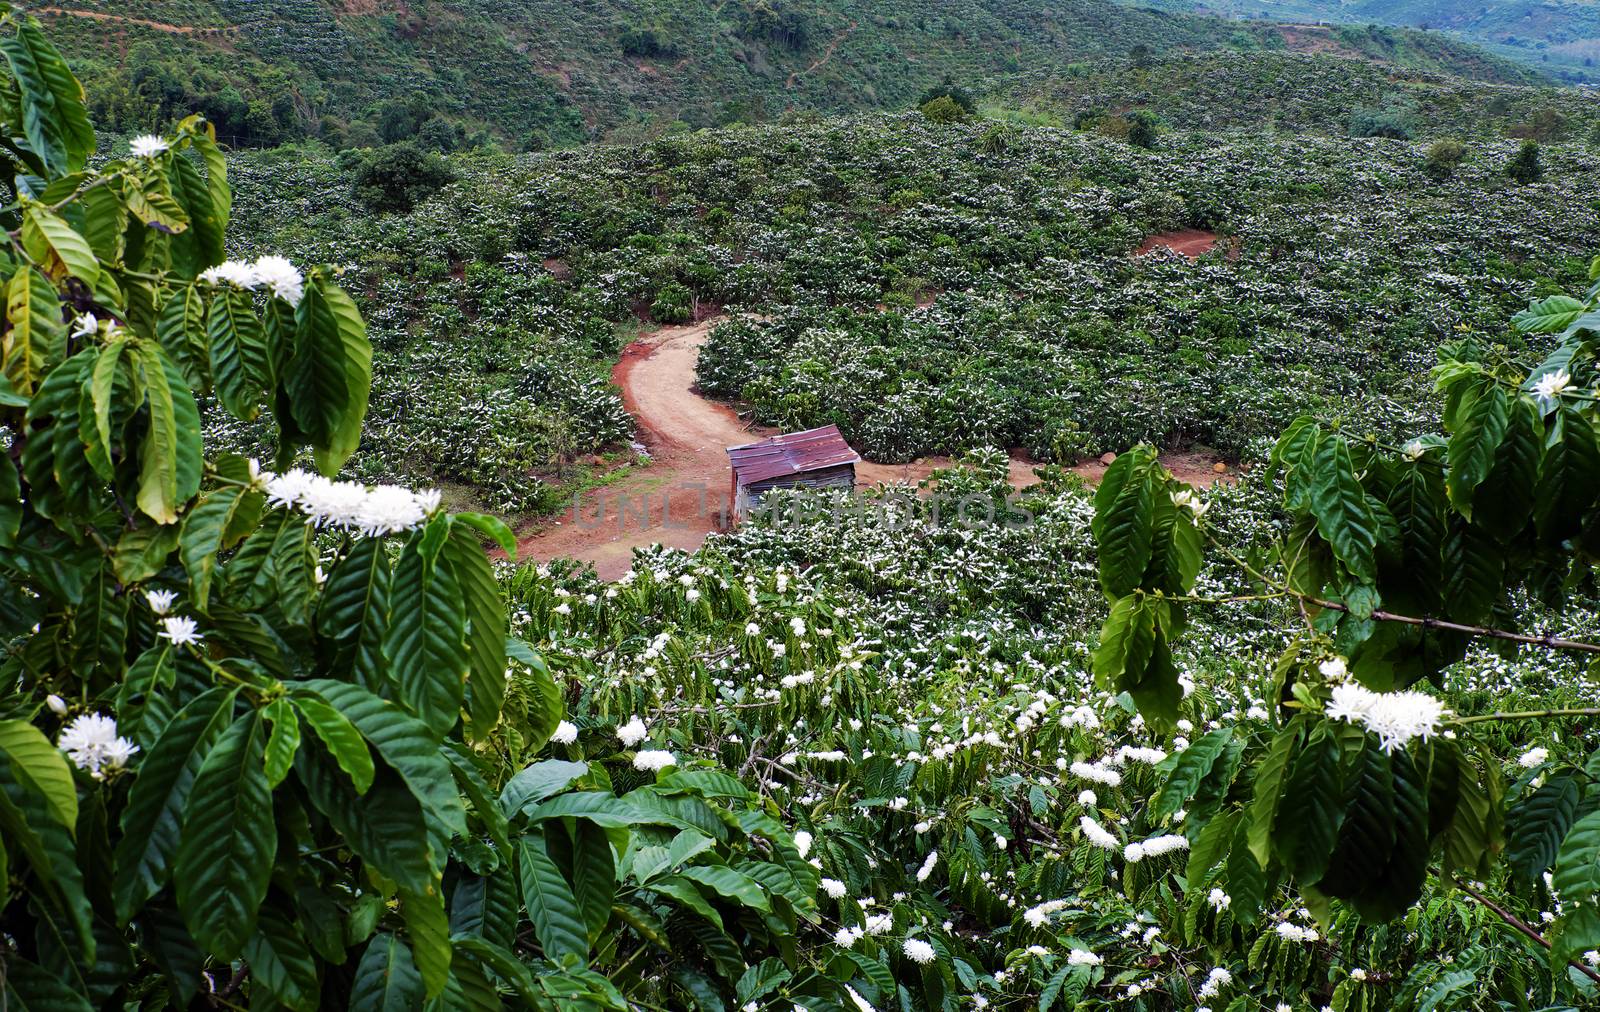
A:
x: 160, y: 601
x: 1552, y: 384
x: 92, y: 743
x: 632, y: 733
x: 147, y: 146
x: 919, y: 952
x: 1533, y: 757
x: 1395, y: 717
x: 566, y: 733
x: 1083, y: 957
x: 281, y: 278
x: 57, y: 705
x: 651, y: 760
x: 180, y: 630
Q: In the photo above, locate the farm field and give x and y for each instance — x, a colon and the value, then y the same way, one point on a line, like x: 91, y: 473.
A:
x: 1213, y: 624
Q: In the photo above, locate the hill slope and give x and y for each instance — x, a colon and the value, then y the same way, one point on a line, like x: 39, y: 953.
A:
x: 537, y: 72
x: 1561, y: 36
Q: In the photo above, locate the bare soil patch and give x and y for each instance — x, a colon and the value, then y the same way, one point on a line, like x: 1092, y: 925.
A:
x: 1191, y: 242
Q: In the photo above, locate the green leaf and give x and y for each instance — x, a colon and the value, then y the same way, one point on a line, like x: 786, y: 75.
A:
x: 284, y: 741
x: 551, y: 906
x: 1126, y: 643
x: 730, y: 885
x: 1473, y: 445
x: 386, y: 979
x: 429, y: 926
x: 1270, y: 774
x: 1537, y: 823
x: 1514, y: 474
x: 36, y: 339
x: 1344, y: 518
x: 40, y: 767
x: 1446, y: 992
x: 484, y: 605
x: 1123, y: 525
x: 57, y: 246
x: 494, y: 529
x: 181, y: 329
x: 26, y: 987
x: 222, y: 877
x: 330, y: 374
x: 427, y: 643
x: 55, y: 118
x: 545, y: 707
x: 341, y: 739
x: 1569, y: 476
x: 238, y: 348
x: 1311, y: 811
x: 170, y: 456
x: 152, y: 821
x: 538, y: 782
x: 478, y: 792
x: 354, y: 609
x: 200, y: 245
x: 405, y: 744
x: 1549, y: 315
x: 281, y: 962
x: 385, y: 826
x: 1578, y: 860
x: 1193, y: 765
x: 214, y: 523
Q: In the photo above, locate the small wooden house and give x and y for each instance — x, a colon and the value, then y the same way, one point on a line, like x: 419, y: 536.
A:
x: 816, y: 459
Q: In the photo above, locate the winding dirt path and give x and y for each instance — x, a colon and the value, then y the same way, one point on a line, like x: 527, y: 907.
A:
x: 827, y: 54
x: 677, y: 499
x: 160, y: 26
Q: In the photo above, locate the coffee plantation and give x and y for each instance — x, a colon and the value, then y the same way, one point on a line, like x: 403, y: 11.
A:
x: 285, y: 727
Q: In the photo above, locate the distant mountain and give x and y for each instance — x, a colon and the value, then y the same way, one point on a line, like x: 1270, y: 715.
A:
x: 534, y: 73
x: 1560, y: 36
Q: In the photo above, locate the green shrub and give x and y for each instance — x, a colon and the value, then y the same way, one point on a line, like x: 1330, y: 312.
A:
x: 1526, y: 166
x: 944, y: 109
x: 1443, y: 158
x: 398, y: 177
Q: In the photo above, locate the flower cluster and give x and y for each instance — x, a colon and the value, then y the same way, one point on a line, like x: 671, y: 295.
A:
x: 1395, y: 717
x: 92, y: 743
x: 273, y: 273
x: 350, y: 505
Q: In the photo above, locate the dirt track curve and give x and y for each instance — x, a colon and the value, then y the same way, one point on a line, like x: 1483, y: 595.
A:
x: 686, y: 483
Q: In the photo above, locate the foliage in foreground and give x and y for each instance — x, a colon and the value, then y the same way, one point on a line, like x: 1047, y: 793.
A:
x: 273, y: 688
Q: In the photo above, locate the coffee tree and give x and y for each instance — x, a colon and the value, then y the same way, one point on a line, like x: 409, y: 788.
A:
x: 246, y: 734
x: 1392, y: 560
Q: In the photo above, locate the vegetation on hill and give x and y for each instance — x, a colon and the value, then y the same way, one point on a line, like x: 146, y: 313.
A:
x: 1300, y: 93
x: 1323, y: 738
x: 534, y: 73
x: 1345, y: 264
x: 1559, y: 38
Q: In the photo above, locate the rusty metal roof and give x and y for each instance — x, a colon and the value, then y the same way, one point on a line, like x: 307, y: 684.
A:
x: 790, y: 453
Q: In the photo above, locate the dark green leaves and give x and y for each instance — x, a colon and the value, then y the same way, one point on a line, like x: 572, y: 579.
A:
x: 1483, y: 422
x: 152, y: 822
x: 552, y: 907
x: 330, y: 374
x: 1123, y: 525
x: 1312, y: 809
x: 427, y: 637
x: 1339, y: 504
x: 1537, y: 823
x: 55, y: 120
x: 221, y: 877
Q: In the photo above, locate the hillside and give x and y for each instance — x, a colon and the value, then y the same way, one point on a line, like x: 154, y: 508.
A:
x: 1560, y: 36
x: 1302, y: 92
x: 534, y: 73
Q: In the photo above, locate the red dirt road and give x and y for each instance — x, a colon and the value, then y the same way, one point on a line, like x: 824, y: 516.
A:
x: 686, y: 483
x: 676, y: 499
